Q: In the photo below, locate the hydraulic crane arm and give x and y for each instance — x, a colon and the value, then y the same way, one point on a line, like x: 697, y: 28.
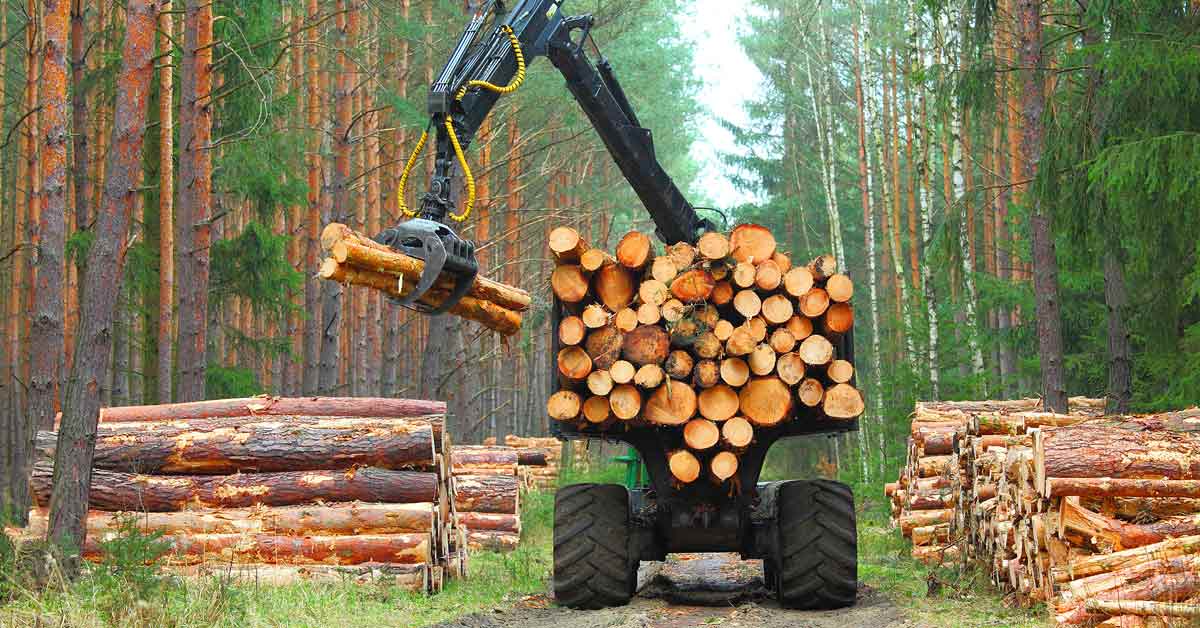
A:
x: 488, y: 61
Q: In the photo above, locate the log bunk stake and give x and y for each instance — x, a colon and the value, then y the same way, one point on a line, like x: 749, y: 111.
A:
x: 709, y: 342
x: 1096, y: 516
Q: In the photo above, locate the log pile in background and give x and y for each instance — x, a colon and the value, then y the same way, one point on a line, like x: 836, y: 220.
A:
x: 278, y: 489
x: 539, y: 459
x: 487, y: 495
x: 1098, y: 516
x: 712, y: 341
x: 357, y: 259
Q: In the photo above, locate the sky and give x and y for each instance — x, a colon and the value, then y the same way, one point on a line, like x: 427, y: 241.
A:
x: 728, y: 78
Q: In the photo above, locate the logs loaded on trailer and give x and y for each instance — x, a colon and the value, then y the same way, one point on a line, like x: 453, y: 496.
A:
x: 356, y: 259
x: 711, y: 341
x: 285, y: 490
x: 1097, y: 516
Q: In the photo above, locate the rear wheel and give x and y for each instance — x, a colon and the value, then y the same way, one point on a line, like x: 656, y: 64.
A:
x: 816, y: 559
x: 594, y: 561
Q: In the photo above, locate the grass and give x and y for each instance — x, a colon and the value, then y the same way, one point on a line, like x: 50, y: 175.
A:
x: 120, y: 593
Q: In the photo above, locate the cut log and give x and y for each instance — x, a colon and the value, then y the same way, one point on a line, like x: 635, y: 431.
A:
x: 800, y: 326
x: 922, y: 518
x: 532, y: 457
x: 777, y: 309
x: 816, y: 350
x: 627, y: 318
x: 634, y: 250
x: 768, y: 276
x: 595, y: 316
x: 625, y: 402
x: 491, y: 521
x: 823, y: 267
x: 722, y: 293
x: 743, y: 275
x: 574, y: 364
x: 747, y: 303
x: 723, y: 330
x: 569, y: 283
x: 654, y: 292
x: 840, y: 288
x: 723, y: 466
x: 672, y: 404
x: 735, y: 372
x: 713, y: 246
x: 1142, y: 608
x: 706, y: 374
x: 741, y: 342
x: 750, y: 242
x: 600, y: 382
x: 259, y: 447
x: 564, y: 405
x: 679, y: 364
x: 928, y: 535
x: 682, y: 253
x: 567, y: 245
x: 782, y: 341
x: 593, y: 260
x: 1114, y: 487
x: 571, y: 330
x: 1169, y: 586
x: 191, y: 549
x: 664, y: 269
x: 1105, y: 532
x: 811, y: 392
x: 707, y: 346
x: 486, y: 493
x: 1102, y: 563
x: 649, y: 376
x: 673, y: 310
x: 783, y: 260
x: 647, y: 314
x: 838, y: 319
x: 718, y: 403
x: 843, y: 401
x: 814, y: 303
x: 491, y: 541
x: 757, y: 327
x: 762, y: 360
x: 115, y: 491
x: 486, y: 313
x: 596, y: 410
x: 737, y: 433
x: 416, y: 578
x: 365, y: 253
x: 683, y: 465
x: 798, y: 281
x: 482, y: 456
x: 615, y: 286
x: 622, y: 372
x: 604, y: 346
x: 693, y: 286
x: 309, y: 519
x: 275, y: 406
x: 701, y: 434
x: 765, y: 401
x: 840, y: 372
x: 790, y: 368
x: 1103, y: 452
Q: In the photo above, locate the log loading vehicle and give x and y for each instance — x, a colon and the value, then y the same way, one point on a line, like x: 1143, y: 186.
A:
x: 803, y: 530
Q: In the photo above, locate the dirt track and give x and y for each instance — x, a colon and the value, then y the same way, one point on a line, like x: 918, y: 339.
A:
x: 691, y: 591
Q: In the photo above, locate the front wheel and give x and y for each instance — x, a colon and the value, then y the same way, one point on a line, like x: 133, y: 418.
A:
x: 816, y: 558
x: 595, y: 565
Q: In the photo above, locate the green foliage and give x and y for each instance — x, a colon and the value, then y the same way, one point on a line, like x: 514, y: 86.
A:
x: 253, y: 265
x: 223, y: 382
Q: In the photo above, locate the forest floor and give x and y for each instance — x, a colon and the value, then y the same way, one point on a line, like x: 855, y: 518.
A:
x: 512, y: 590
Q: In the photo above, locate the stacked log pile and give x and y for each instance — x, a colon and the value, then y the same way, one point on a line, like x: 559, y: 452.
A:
x: 1099, y: 517
x: 539, y: 459
x: 356, y: 259
x: 712, y: 341
x: 487, y: 495
x: 278, y: 489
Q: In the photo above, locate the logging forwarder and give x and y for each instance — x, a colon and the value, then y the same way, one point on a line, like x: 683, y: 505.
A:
x: 804, y: 530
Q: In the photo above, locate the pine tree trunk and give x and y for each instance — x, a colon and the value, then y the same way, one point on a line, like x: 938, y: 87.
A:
x: 312, y: 245
x: 195, y: 198
x: 81, y: 401
x: 293, y: 367
x: 166, y: 211
x: 864, y: 173
x: 925, y: 208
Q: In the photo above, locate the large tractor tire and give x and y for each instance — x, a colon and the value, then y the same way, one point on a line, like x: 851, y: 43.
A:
x: 816, y: 558
x: 595, y: 565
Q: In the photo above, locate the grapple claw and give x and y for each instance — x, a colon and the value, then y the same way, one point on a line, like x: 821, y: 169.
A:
x: 444, y: 254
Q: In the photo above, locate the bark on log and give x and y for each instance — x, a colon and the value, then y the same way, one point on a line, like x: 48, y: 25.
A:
x: 707, y: 346
x: 750, y: 242
x: 490, y: 541
x: 1101, y: 452
x: 532, y: 457
x: 489, y: 521
x: 366, y: 253
x: 1101, y: 563
x: 260, y: 447
x: 634, y: 249
x: 114, y: 491
x: 194, y: 549
x: 706, y: 374
x: 765, y: 401
x: 310, y: 519
x: 1113, y: 487
x: 604, y: 345
x: 403, y: 577
x: 486, y: 493
x: 922, y: 518
x: 718, y: 403
x: 1105, y: 532
x: 672, y: 404
x: 646, y: 345
x: 474, y: 455
x: 276, y: 406
x: 1142, y: 608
